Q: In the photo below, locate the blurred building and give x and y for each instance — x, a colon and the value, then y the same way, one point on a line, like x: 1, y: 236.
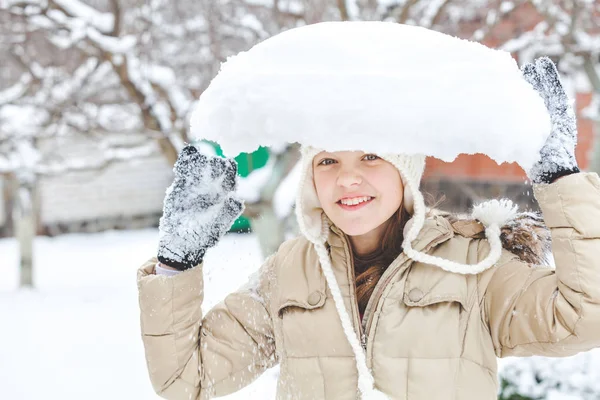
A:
x: 118, y: 195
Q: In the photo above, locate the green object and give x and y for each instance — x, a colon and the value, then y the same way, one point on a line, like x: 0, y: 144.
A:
x: 247, y: 162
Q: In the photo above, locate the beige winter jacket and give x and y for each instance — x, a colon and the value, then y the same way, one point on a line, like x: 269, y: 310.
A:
x: 428, y: 334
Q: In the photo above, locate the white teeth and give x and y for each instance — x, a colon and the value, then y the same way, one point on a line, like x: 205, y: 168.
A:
x: 355, y: 201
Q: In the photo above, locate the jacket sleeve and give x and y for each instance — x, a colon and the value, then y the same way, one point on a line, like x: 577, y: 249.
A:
x: 190, y: 357
x: 532, y: 310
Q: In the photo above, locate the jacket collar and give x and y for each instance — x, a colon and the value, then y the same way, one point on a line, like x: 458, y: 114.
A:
x: 305, y: 284
x: 436, y: 230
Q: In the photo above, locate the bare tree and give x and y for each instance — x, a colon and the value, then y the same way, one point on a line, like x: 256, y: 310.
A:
x: 79, y: 71
x: 104, y: 71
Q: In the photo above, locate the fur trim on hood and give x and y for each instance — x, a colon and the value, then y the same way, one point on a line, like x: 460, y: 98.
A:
x: 525, y: 235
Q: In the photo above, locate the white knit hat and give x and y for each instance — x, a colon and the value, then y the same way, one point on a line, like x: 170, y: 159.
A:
x: 314, y: 226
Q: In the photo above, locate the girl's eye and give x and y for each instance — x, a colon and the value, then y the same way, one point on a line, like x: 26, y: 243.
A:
x: 371, y: 157
x: 326, y: 161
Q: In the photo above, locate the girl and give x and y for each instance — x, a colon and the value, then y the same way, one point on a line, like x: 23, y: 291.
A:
x: 377, y: 299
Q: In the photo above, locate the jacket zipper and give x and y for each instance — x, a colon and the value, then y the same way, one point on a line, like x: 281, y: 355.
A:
x: 379, y: 288
x: 361, y: 333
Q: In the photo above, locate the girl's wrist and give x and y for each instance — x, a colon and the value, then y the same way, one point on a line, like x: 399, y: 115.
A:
x: 166, y: 266
x: 162, y: 269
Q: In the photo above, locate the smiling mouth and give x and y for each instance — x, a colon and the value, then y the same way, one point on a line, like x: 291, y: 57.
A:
x: 355, y: 203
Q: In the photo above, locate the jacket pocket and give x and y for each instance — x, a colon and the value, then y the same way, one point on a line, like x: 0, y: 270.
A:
x: 437, y: 311
x: 415, y: 297
x: 311, y: 301
x: 300, y: 318
x: 427, y: 285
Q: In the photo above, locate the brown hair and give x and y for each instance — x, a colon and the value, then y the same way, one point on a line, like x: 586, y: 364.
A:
x: 369, y: 268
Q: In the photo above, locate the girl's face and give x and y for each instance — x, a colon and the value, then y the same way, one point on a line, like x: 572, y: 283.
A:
x: 359, y: 192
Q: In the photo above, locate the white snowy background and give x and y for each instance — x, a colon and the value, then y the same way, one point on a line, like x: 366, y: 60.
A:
x: 77, y: 334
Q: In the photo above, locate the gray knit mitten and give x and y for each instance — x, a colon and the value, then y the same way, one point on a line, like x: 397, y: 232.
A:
x: 557, y: 156
x: 199, y: 208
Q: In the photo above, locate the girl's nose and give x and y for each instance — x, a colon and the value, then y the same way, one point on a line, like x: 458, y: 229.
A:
x: 349, y: 179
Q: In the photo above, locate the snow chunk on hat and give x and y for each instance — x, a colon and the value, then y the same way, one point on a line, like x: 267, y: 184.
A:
x: 374, y: 86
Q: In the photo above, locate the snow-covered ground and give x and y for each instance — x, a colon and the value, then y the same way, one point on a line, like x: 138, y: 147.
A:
x: 76, y: 335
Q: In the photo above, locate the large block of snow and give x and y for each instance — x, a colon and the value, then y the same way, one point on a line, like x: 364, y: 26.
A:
x: 378, y: 87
